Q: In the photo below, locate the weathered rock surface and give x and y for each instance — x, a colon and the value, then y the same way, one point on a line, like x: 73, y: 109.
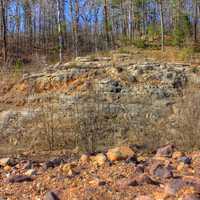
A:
x: 140, y: 92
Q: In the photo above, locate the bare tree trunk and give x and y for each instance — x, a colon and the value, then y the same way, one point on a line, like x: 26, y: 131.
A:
x: 195, y: 20
x: 17, y: 28
x: 76, y: 28
x: 5, y: 50
x: 161, y: 24
x: 106, y: 22
x: 59, y: 32
x: 96, y: 30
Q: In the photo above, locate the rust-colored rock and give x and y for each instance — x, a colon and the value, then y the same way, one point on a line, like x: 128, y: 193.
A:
x: 120, y: 153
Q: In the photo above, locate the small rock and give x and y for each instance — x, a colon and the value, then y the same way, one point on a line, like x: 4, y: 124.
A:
x: 120, y: 153
x: 125, y: 183
x: 131, y: 160
x: 68, y: 169
x: 27, y: 165
x: 48, y: 165
x: 71, y: 173
x: 141, y: 158
x: 97, y: 182
x: 174, y: 186
x: 191, y: 197
x: 144, y: 197
x: 145, y: 179
x: 166, y: 151
x: 19, y: 179
x: 193, y: 182
x: 182, y: 167
x: 161, y: 171
x: 84, y: 158
x: 139, y: 169
x: 5, y: 161
x: 52, y: 163
x: 100, y: 159
x: 7, y: 168
x: 30, y: 172
x: 51, y: 196
x: 177, y: 154
x: 185, y: 160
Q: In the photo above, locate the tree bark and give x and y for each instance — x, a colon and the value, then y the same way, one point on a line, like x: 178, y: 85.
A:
x: 195, y: 20
x: 106, y: 23
x: 59, y: 31
x: 5, y: 50
x: 161, y: 25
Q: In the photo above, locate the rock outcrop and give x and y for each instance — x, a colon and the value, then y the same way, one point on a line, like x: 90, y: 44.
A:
x: 139, y: 93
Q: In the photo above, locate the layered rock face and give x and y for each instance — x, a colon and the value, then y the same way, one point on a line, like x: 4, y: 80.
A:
x: 134, y: 94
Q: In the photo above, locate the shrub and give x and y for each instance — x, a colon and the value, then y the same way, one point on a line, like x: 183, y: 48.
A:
x: 181, y: 31
x: 187, y: 121
x: 195, y: 70
x: 18, y: 65
x: 92, y: 127
x: 140, y: 43
x: 93, y: 57
x: 152, y: 31
x: 185, y: 54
